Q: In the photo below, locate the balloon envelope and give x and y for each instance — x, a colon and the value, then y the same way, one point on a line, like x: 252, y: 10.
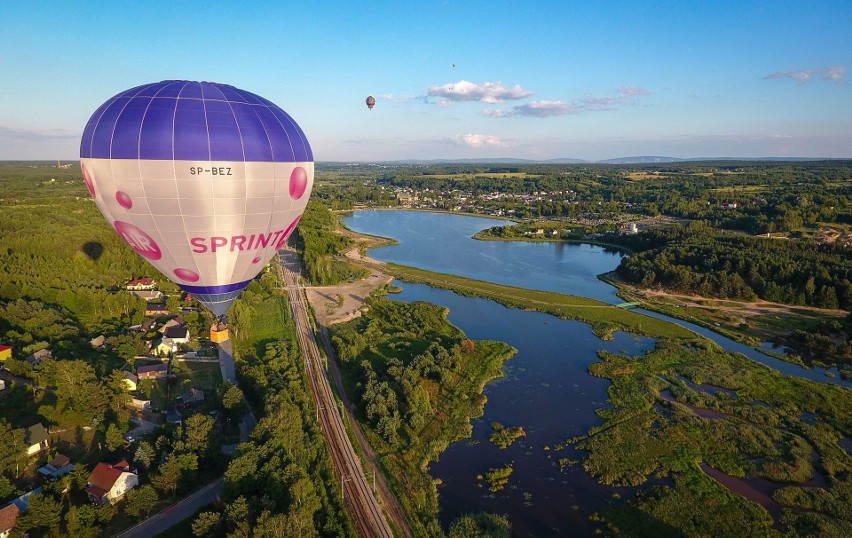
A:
x: 204, y: 180
x: 371, y: 102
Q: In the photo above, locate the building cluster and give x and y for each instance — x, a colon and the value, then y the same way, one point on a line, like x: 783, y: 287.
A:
x: 106, y: 483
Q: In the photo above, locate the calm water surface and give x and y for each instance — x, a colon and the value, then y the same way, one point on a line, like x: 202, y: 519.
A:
x: 441, y: 242
x: 547, y: 389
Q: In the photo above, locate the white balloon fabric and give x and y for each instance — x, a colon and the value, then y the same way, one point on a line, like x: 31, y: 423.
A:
x: 203, y: 180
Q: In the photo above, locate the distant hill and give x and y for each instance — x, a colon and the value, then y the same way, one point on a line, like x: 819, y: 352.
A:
x: 642, y: 159
x: 638, y: 159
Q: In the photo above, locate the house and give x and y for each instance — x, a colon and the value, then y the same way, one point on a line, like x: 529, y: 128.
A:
x: 148, y: 325
x: 2, y: 384
x: 153, y: 371
x: 156, y: 309
x: 57, y: 467
x: 178, y: 334
x: 98, y: 341
x: 191, y: 397
x: 109, y: 483
x: 131, y: 380
x: 174, y: 322
x: 36, y: 439
x: 36, y: 358
x: 5, y: 352
x: 8, y: 517
x: 149, y: 295
x: 219, y: 333
x: 142, y: 405
x: 139, y: 284
x: 730, y: 205
x: 164, y: 346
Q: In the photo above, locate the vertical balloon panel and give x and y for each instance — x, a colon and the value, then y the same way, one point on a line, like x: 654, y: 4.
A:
x: 210, y: 225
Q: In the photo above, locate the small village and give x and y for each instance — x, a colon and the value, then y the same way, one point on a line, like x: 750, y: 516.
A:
x: 155, y: 395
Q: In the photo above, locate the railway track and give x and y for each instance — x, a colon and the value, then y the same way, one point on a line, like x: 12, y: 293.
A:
x: 369, y: 518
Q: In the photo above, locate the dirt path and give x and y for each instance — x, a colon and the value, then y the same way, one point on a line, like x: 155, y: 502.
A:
x: 342, y: 302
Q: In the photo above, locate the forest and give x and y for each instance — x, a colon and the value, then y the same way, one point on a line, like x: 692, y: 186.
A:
x: 418, y: 382
x: 415, y: 377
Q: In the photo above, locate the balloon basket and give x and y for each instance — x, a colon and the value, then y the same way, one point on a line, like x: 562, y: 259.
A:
x: 219, y: 333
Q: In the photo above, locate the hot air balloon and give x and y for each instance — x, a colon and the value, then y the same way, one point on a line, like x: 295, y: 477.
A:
x: 203, y: 180
x: 371, y: 102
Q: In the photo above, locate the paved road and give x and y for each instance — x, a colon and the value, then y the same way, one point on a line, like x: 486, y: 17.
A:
x: 226, y: 361
x: 175, y: 513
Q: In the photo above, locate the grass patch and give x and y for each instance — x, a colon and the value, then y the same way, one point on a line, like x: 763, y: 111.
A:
x: 604, y: 318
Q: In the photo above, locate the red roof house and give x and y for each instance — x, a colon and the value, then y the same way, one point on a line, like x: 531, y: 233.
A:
x: 109, y: 483
x: 8, y: 516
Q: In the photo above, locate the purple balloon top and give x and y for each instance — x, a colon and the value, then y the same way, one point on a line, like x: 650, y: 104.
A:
x: 193, y: 121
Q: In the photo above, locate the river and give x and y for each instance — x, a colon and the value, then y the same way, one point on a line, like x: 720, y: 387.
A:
x: 546, y: 390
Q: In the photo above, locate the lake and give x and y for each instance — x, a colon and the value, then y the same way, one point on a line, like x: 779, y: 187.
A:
x: 547, y: 389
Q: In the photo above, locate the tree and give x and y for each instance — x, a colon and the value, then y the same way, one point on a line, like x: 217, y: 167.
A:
x: 82, y: 521
x: 114, y: 438
x: 197, y: 433
x: 141, y: 500
x: 237, y: 513
x: 207, y: 524
x: 168, y: 478
x: 144, y: 454
x: 12, y: 449
x: 481, y: 525
x: 44, y: 512
x: 232, y: 399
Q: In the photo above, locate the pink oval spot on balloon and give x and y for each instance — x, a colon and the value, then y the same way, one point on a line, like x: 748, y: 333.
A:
x: 90, y: 185
x: 141, y: 242
x: 123, y: 199
x: 287, y: 233
x: 298, y: 182
x: 186, y: 274
x: 256, y: 260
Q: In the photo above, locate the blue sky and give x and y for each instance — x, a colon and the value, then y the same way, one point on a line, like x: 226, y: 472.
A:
x: 454, y: 79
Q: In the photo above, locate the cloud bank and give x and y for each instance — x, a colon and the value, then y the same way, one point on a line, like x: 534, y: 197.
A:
x: 476, y: 140
x: 831, y: 74
x: 487, y: 92
x: 543, y: 109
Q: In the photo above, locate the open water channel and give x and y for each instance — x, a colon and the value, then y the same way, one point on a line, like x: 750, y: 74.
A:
x: 546, y: 389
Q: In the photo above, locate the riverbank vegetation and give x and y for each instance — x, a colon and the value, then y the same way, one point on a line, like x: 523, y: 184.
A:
x: 417, y: 381
x: 498, y: 477
x: 504, y: 436
x: 603, y: 318
x: 680, y: 406
x: 317, y: 243
x: 696, y: 259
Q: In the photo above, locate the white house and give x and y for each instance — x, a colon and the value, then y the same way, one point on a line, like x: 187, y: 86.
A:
x: 110, y: 483
x: 36, y: 439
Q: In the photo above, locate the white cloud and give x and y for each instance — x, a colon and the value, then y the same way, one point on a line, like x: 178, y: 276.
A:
x: 834, y: 74
x: 539, y: 109
x: 11, y: 133
x: 624, y: 95
x: 487, y: 92
x: 476, y: 140
x: 544, y: 109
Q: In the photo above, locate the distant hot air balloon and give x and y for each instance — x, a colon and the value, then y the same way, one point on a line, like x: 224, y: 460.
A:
x: 203, y: 180
x: 371, y: 102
